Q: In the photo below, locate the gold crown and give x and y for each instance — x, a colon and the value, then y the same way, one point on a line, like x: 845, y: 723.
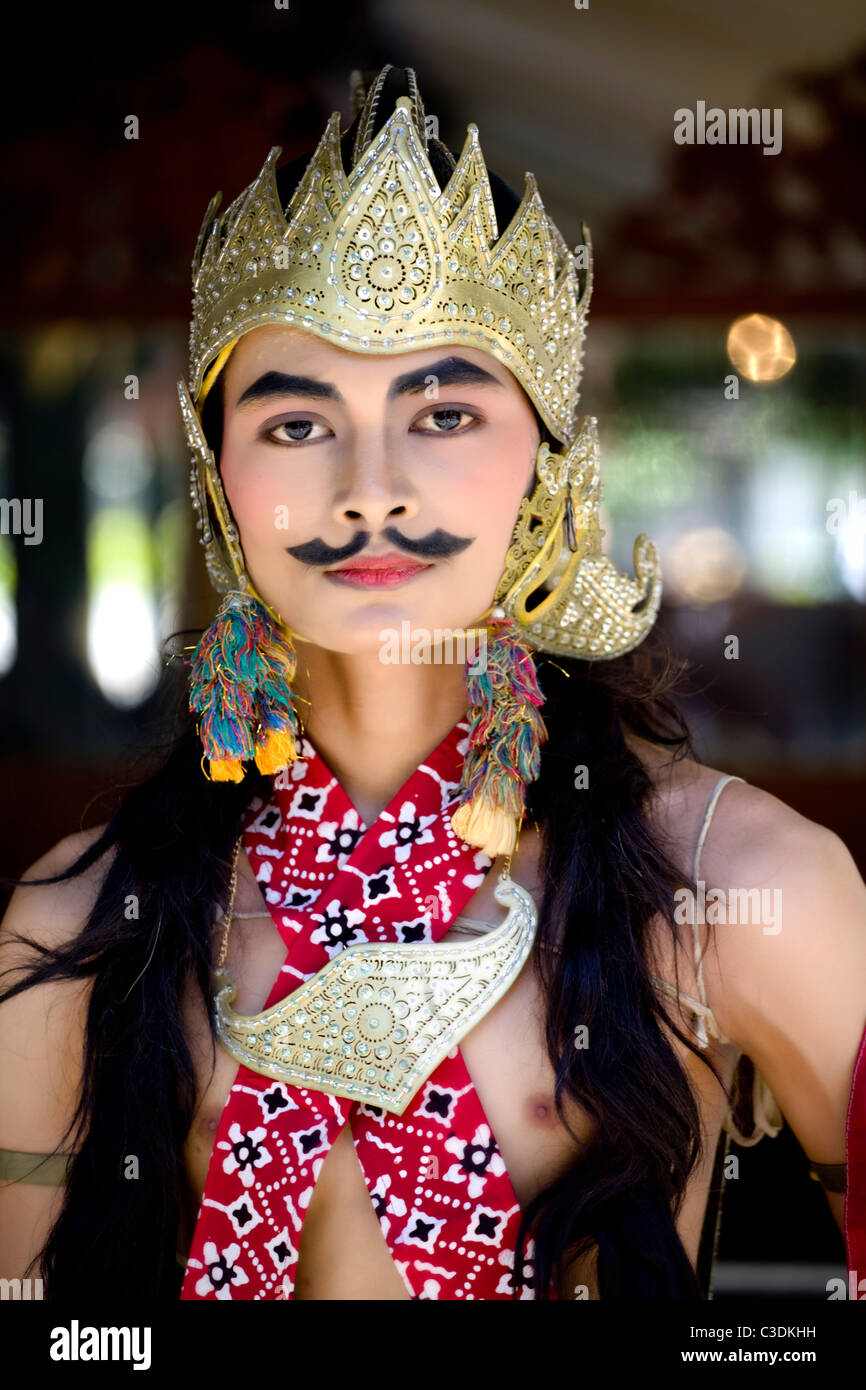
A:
x: 383, y: 260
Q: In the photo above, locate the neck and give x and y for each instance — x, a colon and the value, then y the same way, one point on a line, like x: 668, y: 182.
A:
x: 374, y: 723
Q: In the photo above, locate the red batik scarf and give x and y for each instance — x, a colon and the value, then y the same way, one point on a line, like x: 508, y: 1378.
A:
x: 436, y: 1178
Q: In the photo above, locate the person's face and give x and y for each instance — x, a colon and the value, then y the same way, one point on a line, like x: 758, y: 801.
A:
x: 331, y: 456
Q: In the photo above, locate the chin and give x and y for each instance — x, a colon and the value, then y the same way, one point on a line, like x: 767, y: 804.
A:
x: 387, y: 626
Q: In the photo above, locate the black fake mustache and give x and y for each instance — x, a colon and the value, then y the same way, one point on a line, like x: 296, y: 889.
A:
x: 438, y: 544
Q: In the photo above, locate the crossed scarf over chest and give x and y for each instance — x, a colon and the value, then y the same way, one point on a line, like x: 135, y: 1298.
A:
x: 436, y: 1178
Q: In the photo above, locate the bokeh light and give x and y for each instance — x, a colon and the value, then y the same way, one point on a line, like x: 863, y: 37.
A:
x: 761, y: 348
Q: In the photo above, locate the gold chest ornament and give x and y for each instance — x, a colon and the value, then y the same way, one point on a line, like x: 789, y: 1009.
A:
x: 378, y: 1019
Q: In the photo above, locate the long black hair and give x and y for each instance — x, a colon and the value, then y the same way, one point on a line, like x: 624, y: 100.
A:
x: 606, y: 879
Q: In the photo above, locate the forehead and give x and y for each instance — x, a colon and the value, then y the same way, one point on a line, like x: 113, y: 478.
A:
x: 285, y: 348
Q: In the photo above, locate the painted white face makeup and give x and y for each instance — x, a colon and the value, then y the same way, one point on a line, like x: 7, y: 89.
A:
x: 373, y: 490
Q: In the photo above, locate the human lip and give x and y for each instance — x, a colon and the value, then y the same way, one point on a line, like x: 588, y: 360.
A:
x: 377, y: 571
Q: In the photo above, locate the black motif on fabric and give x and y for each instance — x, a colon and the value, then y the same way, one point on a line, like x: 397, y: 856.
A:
x: 439, y: 1103
x: 476, y: 1158
x: 344, y: 841
x: 242, y: 1214
x: 246, y: 1152
x: 414, y: 931
x: 221, y: 1273
x: 300, y: 897
x: 307, y: 803
x: 268, y: 822
x: 338, y: 930
x: 380, y: 884
x: 380, y: 1203
x: 275, y: 1100
x: 422, y: 1230
x: 486, y: 1225
x: 311, y: 1140
x: 408, y: 831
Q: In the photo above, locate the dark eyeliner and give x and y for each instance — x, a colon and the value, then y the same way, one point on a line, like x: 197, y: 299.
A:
x: 267, y: 431
x: 477, y: 419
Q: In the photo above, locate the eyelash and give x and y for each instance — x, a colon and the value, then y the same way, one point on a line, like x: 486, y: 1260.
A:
x: 301, y: 419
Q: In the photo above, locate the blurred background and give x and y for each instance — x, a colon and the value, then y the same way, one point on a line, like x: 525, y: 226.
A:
x: 725, y: 363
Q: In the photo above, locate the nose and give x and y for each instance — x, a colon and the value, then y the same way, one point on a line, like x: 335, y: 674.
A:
x: 372, y: 489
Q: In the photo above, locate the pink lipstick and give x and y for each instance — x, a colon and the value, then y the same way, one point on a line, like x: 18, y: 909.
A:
x: 377, y: 571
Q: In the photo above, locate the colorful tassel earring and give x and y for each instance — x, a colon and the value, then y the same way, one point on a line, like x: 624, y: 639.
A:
x: 505, y: 736
x: 240, y: 684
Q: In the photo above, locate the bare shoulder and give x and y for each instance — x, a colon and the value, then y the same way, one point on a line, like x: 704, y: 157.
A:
x: 51, y: 913
x: 782, y: 891
x: 750, y: 830
x: 682, y: 788
x: 42, y: 1027
x: 783, y: 942
x: 787, y: 932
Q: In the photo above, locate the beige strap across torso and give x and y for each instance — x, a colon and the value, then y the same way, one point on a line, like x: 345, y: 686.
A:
x: 766, y: 1116
x: 706, y: 1026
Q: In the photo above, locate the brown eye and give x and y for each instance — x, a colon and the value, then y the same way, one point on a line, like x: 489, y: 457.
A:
x: 447, y: 420
x: 298, y: 431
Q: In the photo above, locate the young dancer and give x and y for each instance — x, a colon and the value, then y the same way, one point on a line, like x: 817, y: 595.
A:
x: 410, y: 973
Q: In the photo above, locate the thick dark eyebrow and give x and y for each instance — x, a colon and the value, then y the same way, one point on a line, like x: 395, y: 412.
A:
x: 450, y: 371
x: 282, y: 384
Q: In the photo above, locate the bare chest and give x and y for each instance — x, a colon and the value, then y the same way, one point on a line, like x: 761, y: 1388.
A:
x: 343, y: 1253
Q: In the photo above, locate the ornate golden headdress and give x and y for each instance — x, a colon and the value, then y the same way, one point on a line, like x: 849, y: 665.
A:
x: 380, y: 259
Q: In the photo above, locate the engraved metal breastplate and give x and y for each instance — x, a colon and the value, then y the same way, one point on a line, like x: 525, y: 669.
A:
x: 375, y: 1021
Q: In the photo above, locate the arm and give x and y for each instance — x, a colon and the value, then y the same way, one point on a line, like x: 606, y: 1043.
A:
x: 41, y: 1046
x: 792, y: 996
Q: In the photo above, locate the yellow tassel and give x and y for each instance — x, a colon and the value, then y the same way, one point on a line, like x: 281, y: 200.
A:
x: 489, y: 828
x: 277, y: 751
x: 226, y: 770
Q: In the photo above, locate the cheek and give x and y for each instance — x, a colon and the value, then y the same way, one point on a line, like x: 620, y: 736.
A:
x: 267, y: 499
x: 486, y: 502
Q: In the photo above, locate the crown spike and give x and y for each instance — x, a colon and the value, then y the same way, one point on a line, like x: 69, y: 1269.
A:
x: 469, y: 176
x: 206, y: 226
